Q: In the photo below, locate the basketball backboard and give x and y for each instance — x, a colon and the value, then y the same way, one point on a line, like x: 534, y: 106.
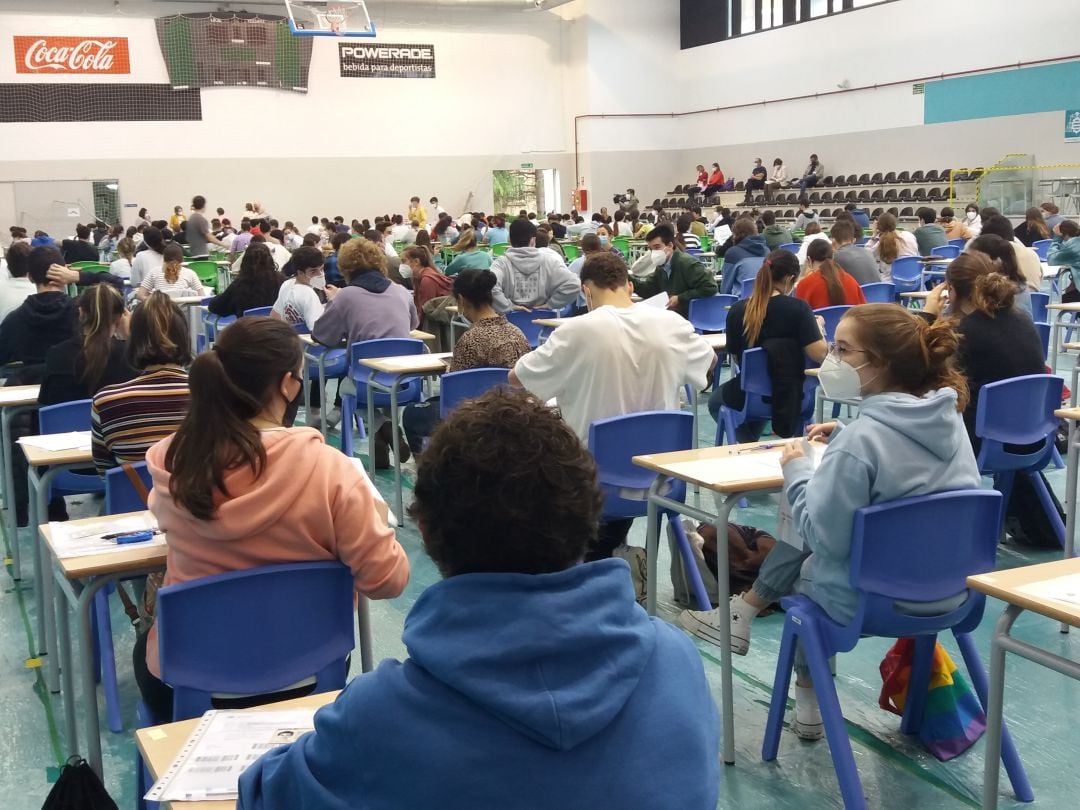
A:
x: 329, y: 18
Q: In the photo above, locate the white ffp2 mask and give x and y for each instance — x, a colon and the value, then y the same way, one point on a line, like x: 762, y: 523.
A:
x: 839, y: 380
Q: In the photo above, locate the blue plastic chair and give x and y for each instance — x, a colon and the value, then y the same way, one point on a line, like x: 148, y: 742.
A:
x: 745, y: 273
x: 880, y: 292
x: 959, y: 243
x: 757, y: 385
x: 458, y: 386
x: 790, y: 247
x: 1043, y: 329
x: 945, y: 251
x: 614, y: 442
x: 907, y: 274
x: 1020, y: 412
x: 212, y: 324
x: 354, y: 405
x: 1039, y: 302
x: 909, y: 583
x: 524, y: 321
x: 832, y: 316
x: 1042, y: 247
x: 120, y: 495
x: 710, y: 314
x: 258, y: 311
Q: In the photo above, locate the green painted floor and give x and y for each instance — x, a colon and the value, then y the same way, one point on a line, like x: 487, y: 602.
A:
x: 896, y: 772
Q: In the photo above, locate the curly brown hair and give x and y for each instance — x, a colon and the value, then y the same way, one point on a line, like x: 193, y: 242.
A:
x: 506, y: 487
x: 360, y: 254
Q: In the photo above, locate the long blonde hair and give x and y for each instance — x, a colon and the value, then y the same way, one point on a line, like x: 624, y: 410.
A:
x: 465, y: 242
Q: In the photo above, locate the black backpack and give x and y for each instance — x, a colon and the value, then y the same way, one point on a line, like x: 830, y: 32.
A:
x: 78, y: 788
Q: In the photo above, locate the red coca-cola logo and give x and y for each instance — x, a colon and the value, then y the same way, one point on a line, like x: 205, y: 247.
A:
x: 72, y: 55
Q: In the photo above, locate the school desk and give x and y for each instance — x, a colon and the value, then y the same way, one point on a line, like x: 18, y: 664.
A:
x: 1061, y: 312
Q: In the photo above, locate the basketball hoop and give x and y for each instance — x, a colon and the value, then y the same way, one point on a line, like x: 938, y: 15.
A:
x: 337, y: 18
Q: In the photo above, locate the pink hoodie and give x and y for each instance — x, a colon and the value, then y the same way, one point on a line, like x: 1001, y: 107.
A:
x: 310, y: 503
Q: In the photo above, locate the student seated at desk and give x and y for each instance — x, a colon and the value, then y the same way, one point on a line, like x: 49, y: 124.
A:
x: 15, y: 287
x: 907, y: 440
x: 666, y: 269
x: 533, y: 680
x: 41, y: 321
x: 370, y: 306
x: 129, y: 417
x: 256, y: 285
x: 826, y: 284
x: 255, y: 491
x: 172, y: 278
x: 1003, y: 258
x: 468, y: 255
x: 998, y: 340
x: 786, y: 328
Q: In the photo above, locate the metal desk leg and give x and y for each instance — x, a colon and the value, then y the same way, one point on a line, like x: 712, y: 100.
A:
x: 371, y: 423
x: 43, y: 583
x: 63, y: 632
x: 86, y: 669
x: 10, y: 523
x: 652, y: 545
x: 1055, y: 346
x: 723, y: 595
x: 995, y: 706
x: 1072, y: 460
x: 1075, y: 383
x: 363, y: 623
x: 322, y: 391
x: 694, y: 402
x: 397, y: 449
x: 819, y: 406
x: 307, y: 389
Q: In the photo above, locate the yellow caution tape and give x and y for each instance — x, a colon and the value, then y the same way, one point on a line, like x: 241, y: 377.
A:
x: 33, y: 663
x: 8, y: 561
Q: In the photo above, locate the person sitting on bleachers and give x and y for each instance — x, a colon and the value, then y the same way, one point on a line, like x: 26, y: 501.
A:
x: 746, y: 244
x: 775, y: 235
x: 664, y: 269
x: 715, y: 184
x: 929, y: 234
x: 528, y: 277
x: 857, y: 261
x: 756, y: 180
x: 701, y: 183
x: 815, y: 171
x: 588, y: 684
x: 859, y: 215
x: 954, y: 228
x: 778, y: 179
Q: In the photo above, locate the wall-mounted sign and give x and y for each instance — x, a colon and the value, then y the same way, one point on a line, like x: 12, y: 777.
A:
x: 56, y: 56
x: 380, y: 61
x: 1072, y: 126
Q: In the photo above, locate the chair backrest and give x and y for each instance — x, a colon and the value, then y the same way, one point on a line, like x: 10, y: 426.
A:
x: 285, y: 623
x: 1017, y: 411
x: 622, y: 244
x: 461, y: 385
x: 500, y: 249
x: 1043, y: 328
x: 746, y: 289
x: 614, y: 442
x: 959, y: 243
x: 571, y: 251
x: 832, y: 316
x: 946, y: 251
x: 524, y: 321
x: 754, y: 373
x: 790, y: 247
x: 120, y: 494
x: 381, y: 347
x: 1039, y: 302
x: 879, y: 292
x: 1042, y: 247
x: 262, y: 311
x: 907, y: 268
x: 65, y: 417
x: 710, y: 314
x: 915, y: 582
x: 206, y: 270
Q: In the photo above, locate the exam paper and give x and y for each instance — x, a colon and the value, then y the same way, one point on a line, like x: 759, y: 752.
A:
x: 56, y: 442
x: 658, y: 301
x: 72, y: 540
x: 223, y: 746
x: 1060, y: 589
x: 390, y: 519
x: 16, y: 393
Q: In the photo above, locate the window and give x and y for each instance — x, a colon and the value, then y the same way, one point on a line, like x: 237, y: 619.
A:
x: 707, y: 21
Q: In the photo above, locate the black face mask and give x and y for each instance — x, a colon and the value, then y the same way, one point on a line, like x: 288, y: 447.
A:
x: 294, y: 405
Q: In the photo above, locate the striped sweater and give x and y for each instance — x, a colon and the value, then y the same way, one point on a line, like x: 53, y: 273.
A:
x: 127, y: 418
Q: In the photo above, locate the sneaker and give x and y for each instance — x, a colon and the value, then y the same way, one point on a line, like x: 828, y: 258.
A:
x: 807, y: 724
x: 382, y: 453
x: 636, y: 559
x: 333, y: 417
x: 705, y: 624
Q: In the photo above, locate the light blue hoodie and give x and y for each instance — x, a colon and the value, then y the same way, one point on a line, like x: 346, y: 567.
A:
x: 549, y: 691
x: 898, y: 447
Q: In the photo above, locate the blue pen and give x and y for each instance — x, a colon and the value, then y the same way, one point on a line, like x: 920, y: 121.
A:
x: 134, y: 537
x: 763, y: 447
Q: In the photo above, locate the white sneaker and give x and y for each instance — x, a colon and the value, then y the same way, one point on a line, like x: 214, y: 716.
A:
x: 333, y: 416
x: 807, y: 724
x: 705, y: 624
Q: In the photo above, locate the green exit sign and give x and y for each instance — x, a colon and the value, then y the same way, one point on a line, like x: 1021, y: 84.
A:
x: 526, y: 165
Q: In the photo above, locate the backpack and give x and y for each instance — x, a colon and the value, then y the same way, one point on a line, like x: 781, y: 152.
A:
x: 747, y: 549
x: 1026, y: 520
x: 78, y: 788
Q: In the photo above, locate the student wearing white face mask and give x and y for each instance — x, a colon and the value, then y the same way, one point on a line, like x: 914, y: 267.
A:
x: 908, y: 440
x: 664, y: 269
x: 972, y: 220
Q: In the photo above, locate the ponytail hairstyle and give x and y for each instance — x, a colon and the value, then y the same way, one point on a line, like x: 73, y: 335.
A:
x: 159, y: 334
x: 174, y: 257
x: 1002, y: 254
x: 820, y: 251
x: 971, y: 275
x: 1035, y: 222
x: 888, y: 247
x: 100, y: 307
x: 126, y: 249
x: 229, y: 386
x: 421, y: 254
x: 154, y: 239
x: 918, y: 356
x: 779, y: 266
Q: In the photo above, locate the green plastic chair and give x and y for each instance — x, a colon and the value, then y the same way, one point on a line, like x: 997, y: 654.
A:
x: 500, y: 249
x: 207, y: 271
x: 706, y: 243
x: 572, y: 251
x: 622, y: 244
x: 85, y: 265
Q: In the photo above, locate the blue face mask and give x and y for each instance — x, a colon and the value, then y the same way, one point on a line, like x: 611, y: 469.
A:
x: 604, y: 240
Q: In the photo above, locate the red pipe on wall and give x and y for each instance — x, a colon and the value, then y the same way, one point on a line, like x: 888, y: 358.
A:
x: 804, y: 97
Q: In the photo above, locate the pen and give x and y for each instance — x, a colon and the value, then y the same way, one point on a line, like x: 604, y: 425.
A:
x: 763, y: 447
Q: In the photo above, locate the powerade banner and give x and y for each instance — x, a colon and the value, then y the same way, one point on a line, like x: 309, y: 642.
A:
x: 380, y: 61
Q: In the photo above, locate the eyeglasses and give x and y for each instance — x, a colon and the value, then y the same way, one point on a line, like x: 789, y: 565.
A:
x: 840, y: 351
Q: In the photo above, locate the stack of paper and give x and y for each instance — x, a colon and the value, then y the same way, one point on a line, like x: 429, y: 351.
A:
x: 57, y: 442
x: 73, y: 540
x: 223, y: 746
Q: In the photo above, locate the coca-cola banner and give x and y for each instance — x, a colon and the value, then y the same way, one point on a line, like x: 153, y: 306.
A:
x: 59, y: 56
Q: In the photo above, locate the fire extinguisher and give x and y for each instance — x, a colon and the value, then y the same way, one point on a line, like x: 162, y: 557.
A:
x: 580, y: 199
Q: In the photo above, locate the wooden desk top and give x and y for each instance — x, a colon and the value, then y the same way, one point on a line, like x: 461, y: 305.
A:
x: 160, y: 745
x: 18, y: 395
x: 135, y: 558
x: 716, y: 340
x: 549, y: 323
x: 667, y: 464
x: 415, y: 334
x: 36, y: 457
x: 918, y: 294
x: 934, y: 260
x: 1069, y: 345
x: 410, y: 363
x: 1004, y: 585
x: 1068, y: 413
x: 1064, y: 307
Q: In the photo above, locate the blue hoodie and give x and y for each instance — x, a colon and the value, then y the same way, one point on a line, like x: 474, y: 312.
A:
x: 898, y: 447
x: 547, y: 691
x: 750, y: 247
